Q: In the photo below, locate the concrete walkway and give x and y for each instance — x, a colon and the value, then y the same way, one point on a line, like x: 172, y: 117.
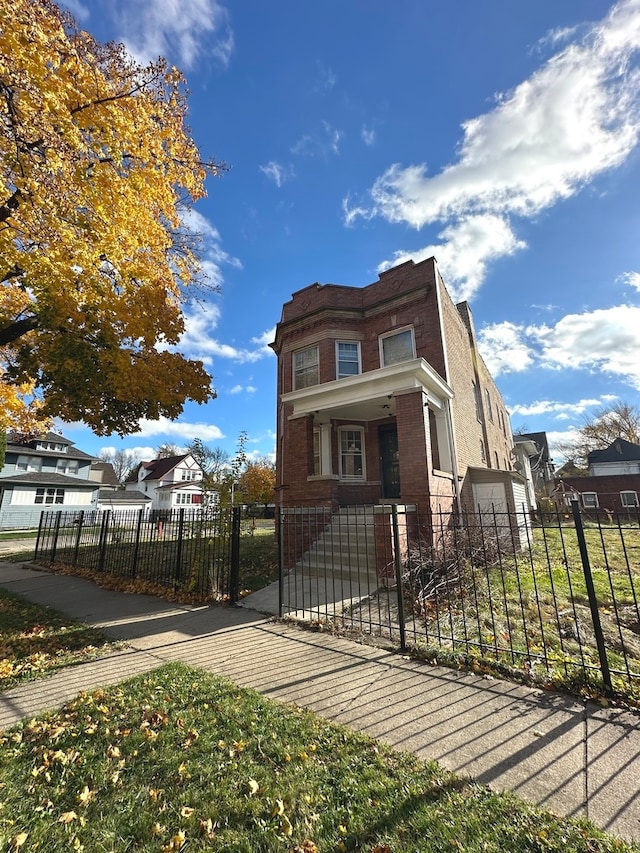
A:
x: 549, y: 749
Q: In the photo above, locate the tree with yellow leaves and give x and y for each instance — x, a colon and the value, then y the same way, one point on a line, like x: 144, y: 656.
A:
x: 98, y: 170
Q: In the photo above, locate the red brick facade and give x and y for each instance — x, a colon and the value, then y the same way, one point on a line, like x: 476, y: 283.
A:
x: 440, y: 404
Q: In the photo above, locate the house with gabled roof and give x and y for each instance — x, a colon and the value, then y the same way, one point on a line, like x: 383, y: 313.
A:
x: 47, y: 472
x: 169, y: 482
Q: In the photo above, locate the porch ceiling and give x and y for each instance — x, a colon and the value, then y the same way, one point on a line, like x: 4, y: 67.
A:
x: 370, y: 395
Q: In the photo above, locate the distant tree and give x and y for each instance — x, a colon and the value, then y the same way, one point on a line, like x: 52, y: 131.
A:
x: 164, y: 451
x: 97, y: 173
x: 257, y: 482
x: 621, y: 420
x: 123, y: 462
x: 214, y: 461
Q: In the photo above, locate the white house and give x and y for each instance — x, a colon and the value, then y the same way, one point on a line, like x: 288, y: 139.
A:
x: 170, y: 482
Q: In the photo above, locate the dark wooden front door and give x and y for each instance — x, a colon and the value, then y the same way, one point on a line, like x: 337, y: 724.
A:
x: 389, y: 467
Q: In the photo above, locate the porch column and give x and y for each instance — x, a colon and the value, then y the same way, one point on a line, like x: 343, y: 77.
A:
x: 414, y: 447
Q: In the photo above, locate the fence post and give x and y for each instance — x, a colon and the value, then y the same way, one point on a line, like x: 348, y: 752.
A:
x: 136, y: 547
x: 39, y: 536
x: 56, y: 532
x: 176, y: 577
x: 103, y: 540
x: 234, y: 568
x: 281, y: 521
x: 78, y: 535
x: 397, y: 559
x: 593, y: 602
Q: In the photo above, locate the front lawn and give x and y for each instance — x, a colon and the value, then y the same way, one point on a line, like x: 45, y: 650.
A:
x: 180, y: 760
x: 36, y: 641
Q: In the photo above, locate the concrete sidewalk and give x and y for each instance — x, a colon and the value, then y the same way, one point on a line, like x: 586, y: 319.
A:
x: 549, y: 749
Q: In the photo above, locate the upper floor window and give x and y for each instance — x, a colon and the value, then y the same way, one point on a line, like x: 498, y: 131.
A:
x: 396, y: 347
x: 590, y: 500
x: 188, y: 474
x: 489, y: 409
x: 305, y: 368
x: 347, y: 359
x: 67, y: 466
x: 476, y: 400
x: 29, y: 463
x: 352, y: 453
x: 629, y: 499
x: 50, y: 445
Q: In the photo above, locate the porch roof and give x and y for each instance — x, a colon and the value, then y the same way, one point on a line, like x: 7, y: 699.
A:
x: 370, y: 395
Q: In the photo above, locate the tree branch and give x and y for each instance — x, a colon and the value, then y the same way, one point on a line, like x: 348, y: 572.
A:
x: 16, y: 330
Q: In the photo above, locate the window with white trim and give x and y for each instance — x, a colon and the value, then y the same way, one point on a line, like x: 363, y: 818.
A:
x: 49, y: 496
x: 351, y: 453
x: 188, y: 474
x: 396, y: 347
x: 629, y: 499
x: 590, y: 500
x: 29, y: 463
x: 347, y: 359
x: 183, y: 498
x: 305, y: 368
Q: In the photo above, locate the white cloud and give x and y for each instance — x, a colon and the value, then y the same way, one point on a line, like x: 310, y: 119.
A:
x: 180, y: 30
x: 198, y: 340
x: 213, y: 257
x: 577, y: 116
x: 263, y: 341
x: 559, y: 410
x: 180, y: 429
x: 277, y: 173
x: 503, y: 348
x: 238, y: 389
x: 605, y: 340
x: 79, y: 11
x: 632, y: 279
x: 328, y: 78
x: 467, y: 248
x: 368, y: 135
x: 324, y: 143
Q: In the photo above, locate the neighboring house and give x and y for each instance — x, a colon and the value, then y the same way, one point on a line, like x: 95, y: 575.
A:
x: 539, y: 460
x: 169, y: 482
x: 613, y: 482
x: 122, y: 500
x: 383, y: 398
x: 104, y: 474
x: 45, y: 473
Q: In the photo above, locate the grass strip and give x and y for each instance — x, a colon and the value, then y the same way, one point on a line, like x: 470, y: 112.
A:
x: 37, y: 640
x: 179, y: 760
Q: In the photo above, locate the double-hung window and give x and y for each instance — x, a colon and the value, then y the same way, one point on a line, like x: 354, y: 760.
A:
x: 347, y: 359
x: 305, y: 368
x: 396, y: 347
x: 590, y: 500
x: 629, y: 499
x: 352, y: 453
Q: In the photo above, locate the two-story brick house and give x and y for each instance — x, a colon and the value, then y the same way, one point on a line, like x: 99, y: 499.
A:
x: 384, y: 398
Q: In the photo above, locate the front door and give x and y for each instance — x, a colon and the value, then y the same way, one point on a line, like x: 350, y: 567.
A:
x: 389, y: 467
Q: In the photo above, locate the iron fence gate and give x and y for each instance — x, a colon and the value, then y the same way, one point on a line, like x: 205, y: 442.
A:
x: 555, y: 597
x: 194, y: 550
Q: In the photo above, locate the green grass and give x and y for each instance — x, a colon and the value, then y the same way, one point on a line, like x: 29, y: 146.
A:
x: 530, y: 611
x: 36, y: 641
x: 182, y: 760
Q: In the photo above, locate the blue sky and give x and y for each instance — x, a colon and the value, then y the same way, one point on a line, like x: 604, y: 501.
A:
x: 502, y: 137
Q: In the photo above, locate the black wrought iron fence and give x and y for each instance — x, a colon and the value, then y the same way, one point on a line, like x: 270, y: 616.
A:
x: 554, y: 595
x: 189, y: 549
